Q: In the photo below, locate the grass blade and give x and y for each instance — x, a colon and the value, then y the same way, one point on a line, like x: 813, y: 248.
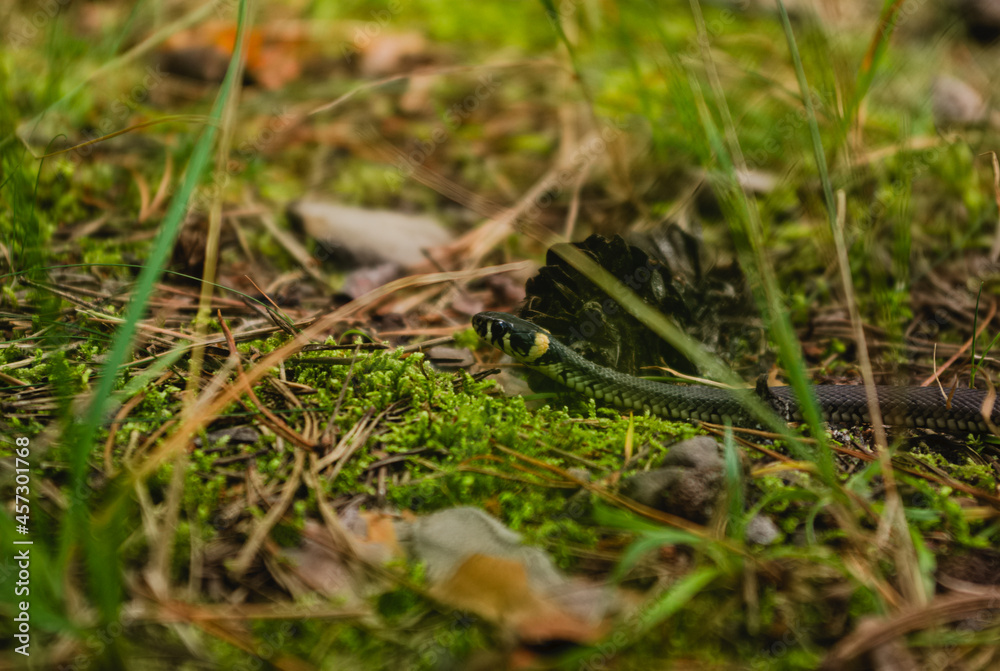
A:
x: 81, y: 433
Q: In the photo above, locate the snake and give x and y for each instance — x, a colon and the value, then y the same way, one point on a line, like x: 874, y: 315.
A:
x: 957, y: 412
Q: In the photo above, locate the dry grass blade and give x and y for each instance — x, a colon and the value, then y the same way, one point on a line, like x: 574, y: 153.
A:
x: 864, y: 361
x: 162, y: 546
x: 476, y: 244
x: 424, y: 72
x: 538, y: 478
x: 10, y: 379
x: 261, y: 530
x: 238, y: 636
x: 348, y: 442
x: 274, y: 422
x: 995, y: 247
x: 143, y: 187
x: 295, y: 248
x: 947, y: 608
x: 119, y: 419
x: 343, y: 540
x: 392, y: 155
x: 358, y: 441
x: 892, y: 525
x: 965, y: 346
x: 187, y: 118
x: 178, y: 611
x: 162, y: 191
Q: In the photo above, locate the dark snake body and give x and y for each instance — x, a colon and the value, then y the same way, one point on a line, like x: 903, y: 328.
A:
x: 917, y: 407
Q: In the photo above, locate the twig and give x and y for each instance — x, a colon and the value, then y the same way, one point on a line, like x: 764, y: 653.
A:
x: 964, y: 347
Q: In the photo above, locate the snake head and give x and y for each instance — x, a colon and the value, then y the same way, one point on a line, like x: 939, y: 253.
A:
x: 521, y: 339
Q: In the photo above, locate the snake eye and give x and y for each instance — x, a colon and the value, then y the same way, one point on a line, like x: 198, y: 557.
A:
x: 491, y: 329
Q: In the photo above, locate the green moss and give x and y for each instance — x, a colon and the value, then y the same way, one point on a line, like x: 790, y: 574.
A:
x: 456, y: 422
x: 935, y: 508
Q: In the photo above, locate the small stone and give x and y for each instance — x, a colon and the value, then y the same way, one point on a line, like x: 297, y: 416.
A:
x: 688, y: 484
x: 762, y: 530
x: 982, y: 18
x: 956, y: 103
x: 356, y: 236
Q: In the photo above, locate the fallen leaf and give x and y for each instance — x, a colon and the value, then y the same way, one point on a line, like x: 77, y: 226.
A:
x: 477, y: 564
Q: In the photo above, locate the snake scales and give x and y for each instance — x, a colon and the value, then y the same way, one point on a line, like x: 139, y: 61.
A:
x: 924, y: 407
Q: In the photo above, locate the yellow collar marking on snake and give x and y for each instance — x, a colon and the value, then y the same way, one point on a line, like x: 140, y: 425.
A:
x: 538, y: 348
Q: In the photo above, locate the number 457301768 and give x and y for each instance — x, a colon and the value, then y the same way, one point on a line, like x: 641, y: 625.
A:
x: 22, y: 477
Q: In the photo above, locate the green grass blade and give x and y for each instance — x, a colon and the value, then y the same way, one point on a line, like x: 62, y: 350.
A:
x: 747, y: 229
x: 836, y: 226
x: 552, y: 13
x: 807, y: 100
x: 734, y: 488
x: 676, y: 597
x: 81, y: 434
x: 745, y: 224
x: 876, y: 51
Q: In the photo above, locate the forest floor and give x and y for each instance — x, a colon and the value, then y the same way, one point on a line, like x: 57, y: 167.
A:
x: 246, y: 422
